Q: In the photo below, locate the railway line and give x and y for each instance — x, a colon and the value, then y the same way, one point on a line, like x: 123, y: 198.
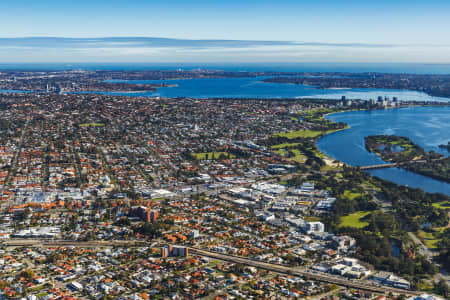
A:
x: 283, y: 269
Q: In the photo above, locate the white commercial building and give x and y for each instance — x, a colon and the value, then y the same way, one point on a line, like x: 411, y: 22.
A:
x: 315, y: 227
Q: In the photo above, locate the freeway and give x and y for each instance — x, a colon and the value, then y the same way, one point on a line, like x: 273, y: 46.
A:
x: 304, y: 273
x: 319, y: 276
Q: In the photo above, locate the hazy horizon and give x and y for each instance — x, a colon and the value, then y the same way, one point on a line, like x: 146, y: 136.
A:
x: 168, y: 50
x: 47, y: 31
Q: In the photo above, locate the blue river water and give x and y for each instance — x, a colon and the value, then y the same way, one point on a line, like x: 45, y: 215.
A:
x: 425, y: 126
x: 15, y: 91
x: 255, y: 88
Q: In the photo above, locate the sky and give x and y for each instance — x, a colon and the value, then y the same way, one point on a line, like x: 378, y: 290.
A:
x: 235, y: 30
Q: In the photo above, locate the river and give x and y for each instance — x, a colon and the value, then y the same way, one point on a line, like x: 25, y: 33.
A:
x: 254, y: 87
x: 425, y: 126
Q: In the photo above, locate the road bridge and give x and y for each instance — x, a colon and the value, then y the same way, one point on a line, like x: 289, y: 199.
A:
x: 380, y: 166
x: 392, y: 165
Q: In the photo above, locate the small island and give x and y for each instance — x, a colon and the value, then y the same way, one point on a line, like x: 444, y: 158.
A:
x: 401, y: 150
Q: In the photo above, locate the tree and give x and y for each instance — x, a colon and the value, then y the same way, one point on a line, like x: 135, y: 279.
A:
x: 28, y: 274
x: 442, y: 289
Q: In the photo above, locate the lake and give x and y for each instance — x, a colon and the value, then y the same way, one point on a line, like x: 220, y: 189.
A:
x: 426, y: 126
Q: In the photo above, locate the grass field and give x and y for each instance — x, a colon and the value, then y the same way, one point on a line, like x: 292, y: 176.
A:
x: 284, y: 145
x: 327, y: 168
x: 442, y: 205
x: 312, y: 218
x: 299, y: 157
x: 354, y: 220
x: 91, y: 125
x: 424, y: 286
x: 211, y: 155
x: 300, y: 133
x: 429, y: 239
x: 281, y: 151
x: 351, y: 195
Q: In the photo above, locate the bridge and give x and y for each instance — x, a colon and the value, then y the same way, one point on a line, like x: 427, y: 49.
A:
x: 277, y: 268
x: 392, y: 165
x: 380, y: 166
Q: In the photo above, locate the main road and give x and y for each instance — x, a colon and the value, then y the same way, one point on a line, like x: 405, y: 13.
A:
x: 303, y: 272
x: 322, y: 277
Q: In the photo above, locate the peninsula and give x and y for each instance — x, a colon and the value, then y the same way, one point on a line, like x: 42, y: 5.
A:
x: 402, y: 150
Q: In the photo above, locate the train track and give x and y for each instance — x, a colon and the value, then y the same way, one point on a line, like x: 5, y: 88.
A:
x: 278, y: 268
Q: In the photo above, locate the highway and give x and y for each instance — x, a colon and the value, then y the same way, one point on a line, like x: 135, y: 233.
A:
x: 322, y: 277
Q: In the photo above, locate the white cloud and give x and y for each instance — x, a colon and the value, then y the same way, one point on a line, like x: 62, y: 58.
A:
x: 169, y: 50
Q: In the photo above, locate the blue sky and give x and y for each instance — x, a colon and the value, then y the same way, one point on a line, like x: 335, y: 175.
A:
x: 385, y: 31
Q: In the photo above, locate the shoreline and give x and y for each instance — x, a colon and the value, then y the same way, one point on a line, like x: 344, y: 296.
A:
x: 349, y: 127
x: 399, y: 167
x: 337, y: 130
x: 350, y: 88
x: 326, y: 156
